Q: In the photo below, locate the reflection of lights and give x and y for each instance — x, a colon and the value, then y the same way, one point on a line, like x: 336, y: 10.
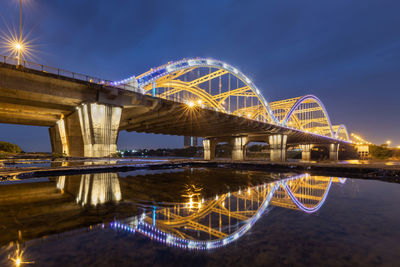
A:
x: 193, y: 196
x: 18, y: 257
x: 99, y: 188
x: 300, y: 205
x: 190, y: 203
x: 155, y: 234
x: 163, y: 235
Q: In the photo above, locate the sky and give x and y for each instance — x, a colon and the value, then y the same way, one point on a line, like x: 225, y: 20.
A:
x: 347, y: 53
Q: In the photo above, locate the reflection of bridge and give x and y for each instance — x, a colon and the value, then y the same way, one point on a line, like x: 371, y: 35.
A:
x: 94, y: 188
x: 192, y: 97
x: 207, y: 224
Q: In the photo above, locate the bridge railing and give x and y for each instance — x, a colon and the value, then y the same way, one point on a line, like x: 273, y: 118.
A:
x: 65, y: 73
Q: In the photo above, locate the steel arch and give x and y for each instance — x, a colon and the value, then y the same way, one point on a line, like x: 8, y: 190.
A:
x: 188, y: 64
x: 291, y: 106
x: 341, y: 128
x: 166, y: 76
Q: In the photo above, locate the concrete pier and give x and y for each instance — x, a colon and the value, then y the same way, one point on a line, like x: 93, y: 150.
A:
x: 239, y: 148
x: 334, y: 152
x: 306, y: 152
x: 91, y: 131
x: 209, y: 146
x: 277, y: 145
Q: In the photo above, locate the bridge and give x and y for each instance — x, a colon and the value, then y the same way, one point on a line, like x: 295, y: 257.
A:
x: 208, y: 224
x: 192, y: 97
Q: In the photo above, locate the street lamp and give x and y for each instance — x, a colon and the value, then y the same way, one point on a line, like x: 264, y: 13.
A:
x: 16, y: 42
x: 388, y: 142
x: 18, y: 45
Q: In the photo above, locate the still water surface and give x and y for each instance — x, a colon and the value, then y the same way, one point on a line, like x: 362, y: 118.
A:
x: 198, y: 216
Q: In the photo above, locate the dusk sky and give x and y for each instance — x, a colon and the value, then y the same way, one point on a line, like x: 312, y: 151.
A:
x: 347, y: 53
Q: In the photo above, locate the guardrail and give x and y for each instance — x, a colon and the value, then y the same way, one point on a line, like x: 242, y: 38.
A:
x: 78, y: 76
x: 65, y: 73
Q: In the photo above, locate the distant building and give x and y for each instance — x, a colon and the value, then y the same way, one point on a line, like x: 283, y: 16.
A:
x: 363, y: 151
x: 189, y: 141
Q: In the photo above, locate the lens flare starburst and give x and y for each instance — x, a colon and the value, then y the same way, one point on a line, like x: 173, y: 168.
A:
x: 13, y: 45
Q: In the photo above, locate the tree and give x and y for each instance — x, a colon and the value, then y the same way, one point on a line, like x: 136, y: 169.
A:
x: 380, y: 152
x: 9, y: 147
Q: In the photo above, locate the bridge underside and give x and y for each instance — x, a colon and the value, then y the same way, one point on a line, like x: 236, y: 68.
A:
x: 168, y: 117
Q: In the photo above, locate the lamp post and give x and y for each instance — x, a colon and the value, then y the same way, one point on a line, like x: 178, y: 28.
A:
x: 18, y: 46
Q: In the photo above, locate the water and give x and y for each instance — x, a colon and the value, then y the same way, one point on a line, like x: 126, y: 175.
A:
x: 45, y: 163
x: 198, y: 216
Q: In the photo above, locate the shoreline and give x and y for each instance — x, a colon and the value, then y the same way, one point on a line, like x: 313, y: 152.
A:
x: 376, y: 171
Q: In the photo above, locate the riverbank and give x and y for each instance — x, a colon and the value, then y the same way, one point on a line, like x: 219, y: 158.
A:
x: 373, y: 170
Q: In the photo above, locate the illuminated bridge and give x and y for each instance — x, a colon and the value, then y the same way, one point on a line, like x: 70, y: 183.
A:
x: 208, y: 224
x: 192, y: 97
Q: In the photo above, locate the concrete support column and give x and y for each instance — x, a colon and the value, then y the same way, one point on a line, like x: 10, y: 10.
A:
x: 99, y: 128
x: 209, y: 146
x: 238, y: 148
x: 91, y: 131
x: 58, y: 138
x: 334, y: 152
x: 277, y: 144
x: 306, y: 152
